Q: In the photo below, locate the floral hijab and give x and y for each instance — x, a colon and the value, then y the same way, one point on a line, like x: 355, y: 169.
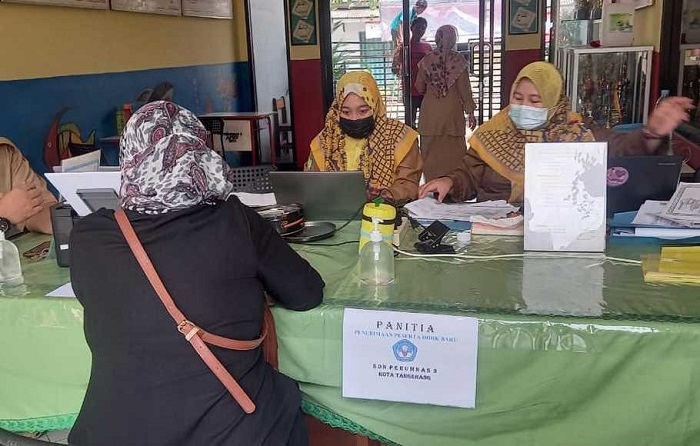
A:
x: 444, y: 65
x: 165, y: 163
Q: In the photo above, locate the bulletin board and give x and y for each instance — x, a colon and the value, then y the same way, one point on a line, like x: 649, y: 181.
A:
x: 89, y: 4
x: 302, y: 21
x: 168, y: 7
x: 524, y: 16
x: 215, y: 9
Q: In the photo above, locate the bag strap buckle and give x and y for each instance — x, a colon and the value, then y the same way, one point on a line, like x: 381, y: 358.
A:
x: 187, y: 328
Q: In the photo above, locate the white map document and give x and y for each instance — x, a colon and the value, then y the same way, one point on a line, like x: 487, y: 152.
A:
x: 565, y: 186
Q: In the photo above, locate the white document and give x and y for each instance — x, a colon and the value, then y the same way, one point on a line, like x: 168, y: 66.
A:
x: 90, y: 162
x: 565, y: 187
x: 255, y: 200
x: 62, y: 291
x: 652, y: 213
x: 684, y: 206
x: 410, y: 357
x: 68, y: 184
x: 430, y: 208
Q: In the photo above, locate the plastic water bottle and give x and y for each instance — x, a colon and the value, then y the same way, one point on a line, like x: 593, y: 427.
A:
x: 377, y: 259
x: 10, y: 268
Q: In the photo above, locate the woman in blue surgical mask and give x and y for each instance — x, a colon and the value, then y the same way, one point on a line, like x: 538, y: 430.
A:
x: 493, y: 168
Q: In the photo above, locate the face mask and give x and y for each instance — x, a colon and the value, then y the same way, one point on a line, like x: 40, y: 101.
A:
x: 527, y: 118
x: 357, y: 128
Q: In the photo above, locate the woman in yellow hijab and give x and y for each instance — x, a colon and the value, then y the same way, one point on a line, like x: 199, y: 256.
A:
x: 493, y: 168
x: 359, y: 136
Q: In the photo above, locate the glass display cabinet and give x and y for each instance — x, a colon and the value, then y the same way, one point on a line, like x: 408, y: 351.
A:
x: 576, y: 23
x: 609, y: 86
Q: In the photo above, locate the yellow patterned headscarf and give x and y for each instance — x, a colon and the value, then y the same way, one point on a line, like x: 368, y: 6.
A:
x: 382, y: 151
x: 502, y: 146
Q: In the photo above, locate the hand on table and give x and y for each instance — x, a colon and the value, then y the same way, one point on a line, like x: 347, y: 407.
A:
x: 668, y: 115
x: 442, y: 186
x: 21, y: 203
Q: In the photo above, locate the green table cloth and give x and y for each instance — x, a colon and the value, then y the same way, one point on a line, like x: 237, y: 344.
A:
x: 573, y: 350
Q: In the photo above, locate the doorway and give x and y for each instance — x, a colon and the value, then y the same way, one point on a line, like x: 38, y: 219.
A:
x: 358, y: 36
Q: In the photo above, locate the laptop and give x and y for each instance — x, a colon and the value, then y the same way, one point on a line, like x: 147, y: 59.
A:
x: 634, y: 179
x: 322, y: 195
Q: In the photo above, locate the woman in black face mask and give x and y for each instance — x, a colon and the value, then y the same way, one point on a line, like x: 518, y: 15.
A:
x: 359, y: 136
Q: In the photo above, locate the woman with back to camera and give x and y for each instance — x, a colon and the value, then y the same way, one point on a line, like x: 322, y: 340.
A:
x: 217, y: 259
x: 443, y: 80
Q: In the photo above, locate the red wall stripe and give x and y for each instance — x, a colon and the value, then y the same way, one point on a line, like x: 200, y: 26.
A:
x: 513, y: 62
x: 307, y: 104
x: 655, y: 73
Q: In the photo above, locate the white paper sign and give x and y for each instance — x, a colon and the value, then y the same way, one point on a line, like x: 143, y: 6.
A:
x: 68, y: 185
x: 565, y: 190
x: 410, y: 357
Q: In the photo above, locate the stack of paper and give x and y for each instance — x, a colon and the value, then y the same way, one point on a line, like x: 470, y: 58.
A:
x: 657, y: 219
x: 499, y: 226
x: 674, y: 265
x: 684, y: 206
x: 431, y: 209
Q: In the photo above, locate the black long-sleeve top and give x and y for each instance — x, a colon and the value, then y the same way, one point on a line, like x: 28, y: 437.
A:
x: 147, y: 385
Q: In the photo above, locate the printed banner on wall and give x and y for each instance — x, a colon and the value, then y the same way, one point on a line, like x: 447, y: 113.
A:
x: 90, y: 4
x: 168, y: 7
x: 302, y: 22
x: 524, y: 17
x: 215, y: 9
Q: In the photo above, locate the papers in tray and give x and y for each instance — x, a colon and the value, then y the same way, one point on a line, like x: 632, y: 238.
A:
x: 652, y: 220
x: 684, y: 207
x: 431, y: 209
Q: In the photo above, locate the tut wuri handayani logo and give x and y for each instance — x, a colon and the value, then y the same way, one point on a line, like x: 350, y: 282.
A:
x: 405, y: 350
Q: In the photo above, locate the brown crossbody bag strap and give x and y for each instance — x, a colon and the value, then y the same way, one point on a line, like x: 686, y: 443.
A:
x: 196, y: 336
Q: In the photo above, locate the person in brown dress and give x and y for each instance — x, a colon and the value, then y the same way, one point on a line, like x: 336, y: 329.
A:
x: 443, y: 80
x: 24, y: 198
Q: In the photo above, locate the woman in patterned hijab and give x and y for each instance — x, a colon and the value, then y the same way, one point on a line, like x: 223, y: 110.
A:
x: 166, y: 164
x: 443, y: 79
x: 359, y: 136
x: 444, y: 65
x: 218, y: 259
